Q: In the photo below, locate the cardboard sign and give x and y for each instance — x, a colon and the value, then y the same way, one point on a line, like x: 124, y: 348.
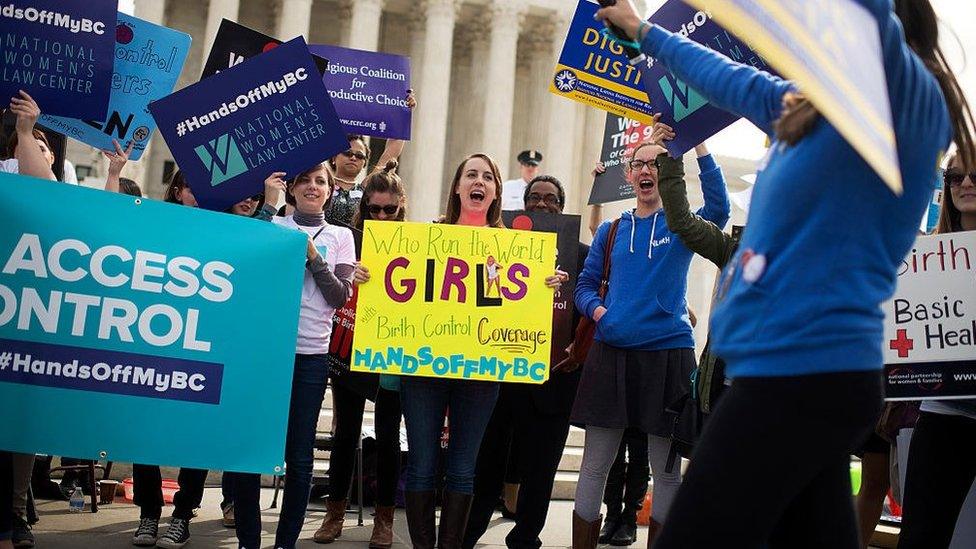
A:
x: 681, y: 107
x: 593, y: 70
x: 369, y: 90
x: 930, y: 323
x: 60, y: 52
x: 566, y: 229
x: 453, y: 301
x: 620, y: 137
x: 148, y: 62
x: 235, y: 43
x: 107, y: 335
x: 268, y: 114
x: 832, y: 49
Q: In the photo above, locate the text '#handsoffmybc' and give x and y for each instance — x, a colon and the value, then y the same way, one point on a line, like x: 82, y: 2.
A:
x: 112, y: 372
x: 52, y: 18
x: 161, y: 325
x: 395, y: 360
x: 243, y: 101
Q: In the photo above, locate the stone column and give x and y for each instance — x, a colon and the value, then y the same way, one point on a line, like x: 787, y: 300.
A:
x: 294, y: 18
x: 539, y: 50
x: 430, y: 117
x: 364, y: 24
x: 496, y: 124
x: 560, y: 160
x: 153, y: 11
x: 415, y: 26
x: 217, y: 10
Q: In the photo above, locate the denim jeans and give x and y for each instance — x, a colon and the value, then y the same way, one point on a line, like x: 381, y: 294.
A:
x: 468, y: 405
x: 307, y: 392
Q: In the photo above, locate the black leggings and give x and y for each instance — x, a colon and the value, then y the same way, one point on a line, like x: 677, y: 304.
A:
x: 773, y: 459
x: 349, y: 406
x: 941, y: 469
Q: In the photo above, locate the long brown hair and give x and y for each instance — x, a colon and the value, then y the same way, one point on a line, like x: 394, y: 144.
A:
x: 290, y: 199
x: 14, y: 139
x: 382, y: 181
x: 922, y: 34
x: 950, y: 218
x: 454, y: 200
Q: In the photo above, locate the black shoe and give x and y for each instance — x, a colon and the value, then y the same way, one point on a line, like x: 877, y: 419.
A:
x: 146, y: 533
x: 176, y: 535
x: 22, y: 535
x: 625, y: 535
x: 609, y: 529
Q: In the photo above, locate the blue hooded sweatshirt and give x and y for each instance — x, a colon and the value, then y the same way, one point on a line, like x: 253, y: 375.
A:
x: 824, y: 238
x: 646, y: 305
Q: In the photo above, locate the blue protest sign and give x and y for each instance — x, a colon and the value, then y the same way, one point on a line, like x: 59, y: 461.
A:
x: 271, y: 113
x: 369, y: 90
x: 681, y: 107
x: 60, y: 52
x: 832, y: 49
x: 109, y: 337
x: 593, y: 70
x: 148, y: 62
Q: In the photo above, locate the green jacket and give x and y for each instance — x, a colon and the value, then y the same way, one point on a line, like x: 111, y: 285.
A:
x: 705, y: 239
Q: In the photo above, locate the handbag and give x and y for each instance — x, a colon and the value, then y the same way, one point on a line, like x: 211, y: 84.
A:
x: 583, y: 339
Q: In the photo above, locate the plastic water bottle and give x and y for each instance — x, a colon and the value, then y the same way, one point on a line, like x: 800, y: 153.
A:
x: 77, y: 502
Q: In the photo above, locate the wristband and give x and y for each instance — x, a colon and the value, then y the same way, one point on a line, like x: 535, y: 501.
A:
x: 642, y: 30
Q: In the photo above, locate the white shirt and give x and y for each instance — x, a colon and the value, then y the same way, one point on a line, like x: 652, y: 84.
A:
x: 513, y: 194
x: 9, y: 166
x: 315, y: 316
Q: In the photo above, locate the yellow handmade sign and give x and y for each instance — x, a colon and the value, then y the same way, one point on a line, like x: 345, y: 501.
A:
x: 452, y: 301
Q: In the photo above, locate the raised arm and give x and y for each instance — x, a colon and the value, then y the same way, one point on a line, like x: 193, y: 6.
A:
x: 700, y: 235
x: 30, y: 158
x: 394, y: 147
x: 717, y: 208
x: 731, y: 86
x: 116, y: 161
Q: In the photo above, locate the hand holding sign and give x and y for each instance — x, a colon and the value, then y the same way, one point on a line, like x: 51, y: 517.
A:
x: 27, y: 112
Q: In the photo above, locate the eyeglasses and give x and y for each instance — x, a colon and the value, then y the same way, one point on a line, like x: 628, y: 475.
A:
x: 638, y: 165
x: 256, y: 198
x: 375, y: 209
x: 955, y: 179
x: 354, y: 154
x: 549, y: 199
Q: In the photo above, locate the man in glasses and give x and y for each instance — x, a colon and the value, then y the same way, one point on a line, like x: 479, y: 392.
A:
x: 513, y: 191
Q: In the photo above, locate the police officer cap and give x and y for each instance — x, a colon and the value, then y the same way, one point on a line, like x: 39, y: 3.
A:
x: 531, y: 158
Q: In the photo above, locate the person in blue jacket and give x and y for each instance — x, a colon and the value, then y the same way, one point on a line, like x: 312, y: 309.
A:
x: 643, y: 349
x: 798, y: 319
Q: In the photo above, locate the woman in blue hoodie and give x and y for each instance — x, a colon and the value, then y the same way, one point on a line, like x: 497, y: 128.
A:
x: 643, y: 350
x: 798, y: 319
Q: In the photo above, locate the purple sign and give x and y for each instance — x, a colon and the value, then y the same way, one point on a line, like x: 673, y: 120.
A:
x: 112, y: 372
x: 271, y: 113
x: 369, y: 90
x: 61, y: 52
x: 681, y: 107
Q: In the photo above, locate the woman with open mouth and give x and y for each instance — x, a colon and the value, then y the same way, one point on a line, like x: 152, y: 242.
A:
x: 474, y: 200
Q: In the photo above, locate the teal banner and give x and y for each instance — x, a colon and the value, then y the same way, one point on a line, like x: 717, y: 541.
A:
x: 146, y: 332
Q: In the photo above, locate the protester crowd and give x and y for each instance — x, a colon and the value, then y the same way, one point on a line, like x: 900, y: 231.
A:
x: 789, y: 385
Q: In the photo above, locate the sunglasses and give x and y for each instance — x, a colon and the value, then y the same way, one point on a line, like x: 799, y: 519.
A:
x: 955, y: 179
x: 375, y: 209
x: 257, y: 198
x: 354, y: 154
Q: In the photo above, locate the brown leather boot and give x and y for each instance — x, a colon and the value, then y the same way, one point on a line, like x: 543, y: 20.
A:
x: 653, y: 529
x: 331, y: 529
x: 455, y: 508
x: 585, y: 534
x: 382, y: 537
x: 420, y: 519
